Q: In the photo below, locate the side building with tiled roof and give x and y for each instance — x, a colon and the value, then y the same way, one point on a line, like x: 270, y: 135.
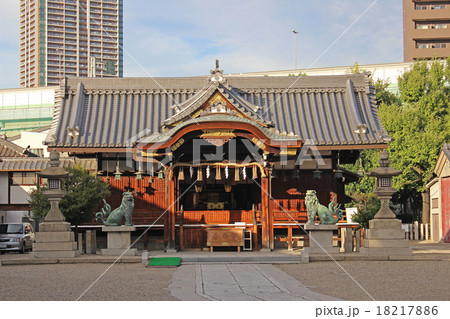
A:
x: 439, y: 189
x: 18, y: 168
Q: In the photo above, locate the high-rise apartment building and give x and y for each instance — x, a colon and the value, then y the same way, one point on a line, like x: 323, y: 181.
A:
x: 426, y: 29
x: 70, y: 37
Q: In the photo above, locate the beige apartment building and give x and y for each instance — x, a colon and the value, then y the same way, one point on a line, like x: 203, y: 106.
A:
x: 70, y: 37
x: 426, y: 29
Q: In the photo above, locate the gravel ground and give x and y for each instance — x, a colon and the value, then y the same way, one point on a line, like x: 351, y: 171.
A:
x: 383, y: 280
x: 68, y: 282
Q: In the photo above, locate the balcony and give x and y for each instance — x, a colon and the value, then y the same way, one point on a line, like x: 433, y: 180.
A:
x: 52, y: 16
x: 109, y: 39
x: 51, y: 28
x: 109, y: 23
x: 430, y: 34
x: 114, y: 12
x: 431, y: 14
x: 112, y: 57
x: 429, y: 53
x: 55, y: 11
x: 51, y: 22
x: 109, y: 17
x: 55, y: 40
x: 55, y: 5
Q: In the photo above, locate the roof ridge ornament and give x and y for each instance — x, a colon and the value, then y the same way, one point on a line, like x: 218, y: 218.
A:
x: 217, y: 74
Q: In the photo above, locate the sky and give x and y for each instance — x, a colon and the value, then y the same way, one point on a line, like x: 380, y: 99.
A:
x: 183, y: 38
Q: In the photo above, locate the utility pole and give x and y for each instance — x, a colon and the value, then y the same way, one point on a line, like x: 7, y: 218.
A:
x: 295, y: 48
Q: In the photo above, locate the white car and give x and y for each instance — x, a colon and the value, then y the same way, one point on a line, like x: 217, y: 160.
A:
x: 16, y: 237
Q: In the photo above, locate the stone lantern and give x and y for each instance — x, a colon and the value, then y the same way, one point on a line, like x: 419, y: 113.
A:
x: 383, y: 187
x: 54, y: 175
x: 54, y: 238
x: 385, y: 235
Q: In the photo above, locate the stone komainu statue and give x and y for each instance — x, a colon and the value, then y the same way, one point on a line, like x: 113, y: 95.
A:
x: 115, y: 217
x: 325, y: 214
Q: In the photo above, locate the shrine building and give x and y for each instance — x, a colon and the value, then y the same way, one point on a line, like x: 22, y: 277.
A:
x: 216, y: 152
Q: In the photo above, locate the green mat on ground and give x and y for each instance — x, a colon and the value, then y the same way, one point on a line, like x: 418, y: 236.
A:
x: 164, y: 262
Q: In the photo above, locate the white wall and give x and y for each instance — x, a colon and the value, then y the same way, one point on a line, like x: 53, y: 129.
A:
x: 33, y: 139
x: 435, y: 192
x: 15, y: 216
x: 3, y: 187
x: 20, y: 194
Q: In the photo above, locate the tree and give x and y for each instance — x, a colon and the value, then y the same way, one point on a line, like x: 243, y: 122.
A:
x: 368, y: 205
x: 39, y: 203
x: 419, y: 127
x: 84, y: 195
x: 418, y: 121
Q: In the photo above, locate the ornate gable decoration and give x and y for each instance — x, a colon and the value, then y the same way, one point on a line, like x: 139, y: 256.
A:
x: 217, y: 75
x: 218, y: 105
x: 218, y: 137
x: 217, y: 98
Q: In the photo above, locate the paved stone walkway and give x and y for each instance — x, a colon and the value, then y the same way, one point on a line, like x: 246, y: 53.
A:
x: 238, y: 282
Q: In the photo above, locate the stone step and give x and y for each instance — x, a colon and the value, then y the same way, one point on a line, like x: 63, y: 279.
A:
x: 238, y: 259
x: 54, y: 237
x: 54, y: 227
x: 385, y: 224
x: 55, y: 254
x: 386, y: 243
x: 63, y: 246
x: 388, y: 233
x: 119, y: 252
x: 386, y: 251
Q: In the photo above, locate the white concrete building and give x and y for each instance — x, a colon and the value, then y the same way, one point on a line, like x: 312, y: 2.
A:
x: 386, y: 71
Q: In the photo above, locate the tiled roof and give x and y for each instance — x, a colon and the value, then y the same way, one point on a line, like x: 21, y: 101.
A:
x: 9, y: 149
x: 446, y: 150
x: 321, y: 110
x: 40, y: 163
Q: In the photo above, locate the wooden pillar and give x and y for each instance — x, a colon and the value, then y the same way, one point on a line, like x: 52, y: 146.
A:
x: 254, y: 230
x: 181, y: 230
x: 265, y: 221
x: 169, y: 221
x: 289, y: 237
x: 270, y: 212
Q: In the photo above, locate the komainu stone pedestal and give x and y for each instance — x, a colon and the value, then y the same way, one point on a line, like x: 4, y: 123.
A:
x: 119, y: 240
x: 321, y: 240
x: 385, y: 237
x: 55, y: 240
